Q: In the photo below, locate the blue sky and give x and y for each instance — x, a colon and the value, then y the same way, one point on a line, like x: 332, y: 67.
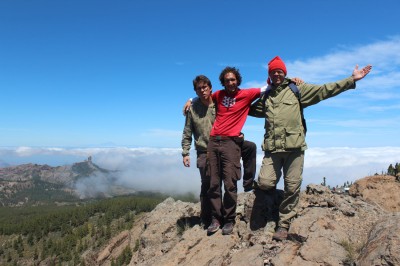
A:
x: 84, y: 74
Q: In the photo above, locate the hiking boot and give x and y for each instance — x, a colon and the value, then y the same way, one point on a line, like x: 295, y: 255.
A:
x: 214, y: 226
x: 248, y: 188
x: 227, y: 229
x: 280, y: 234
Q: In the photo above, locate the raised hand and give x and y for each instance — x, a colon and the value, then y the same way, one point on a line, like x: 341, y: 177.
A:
x: 361, y: 73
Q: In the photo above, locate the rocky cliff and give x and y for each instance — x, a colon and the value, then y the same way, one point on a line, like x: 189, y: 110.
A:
x: 360, y: 228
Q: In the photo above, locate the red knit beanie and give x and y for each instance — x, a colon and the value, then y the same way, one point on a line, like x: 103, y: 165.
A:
x: 277, y: 63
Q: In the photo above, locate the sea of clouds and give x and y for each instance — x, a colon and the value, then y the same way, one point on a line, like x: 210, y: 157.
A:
x: 162, y: 169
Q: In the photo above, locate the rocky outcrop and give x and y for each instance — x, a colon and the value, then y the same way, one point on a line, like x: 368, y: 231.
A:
x: 331, y: 229
x: 382, y: 191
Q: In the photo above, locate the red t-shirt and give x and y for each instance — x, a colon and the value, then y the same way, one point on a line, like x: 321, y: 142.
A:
x: 232, y: 111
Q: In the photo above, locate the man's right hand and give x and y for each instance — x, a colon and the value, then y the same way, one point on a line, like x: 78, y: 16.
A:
x: 186, y: 107
x: 186, y: 161
x: 297, y: 81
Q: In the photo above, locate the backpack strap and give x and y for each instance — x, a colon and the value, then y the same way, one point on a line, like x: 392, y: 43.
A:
x: 296, y: 92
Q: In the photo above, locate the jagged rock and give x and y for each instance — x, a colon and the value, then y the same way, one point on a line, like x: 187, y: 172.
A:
x: 383, y: 244
x: 331, y: 229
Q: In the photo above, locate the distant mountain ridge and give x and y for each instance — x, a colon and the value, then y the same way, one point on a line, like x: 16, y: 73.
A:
x: 33, y: 183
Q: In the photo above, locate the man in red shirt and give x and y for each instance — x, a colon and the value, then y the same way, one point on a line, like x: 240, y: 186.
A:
x: 223, y: 149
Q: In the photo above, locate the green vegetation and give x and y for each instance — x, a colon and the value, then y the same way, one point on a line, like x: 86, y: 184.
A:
x: 352, y: 250
x: 60, y: 234
x: 393, y: 170
x: 41, y: 192
x: 44, y: 192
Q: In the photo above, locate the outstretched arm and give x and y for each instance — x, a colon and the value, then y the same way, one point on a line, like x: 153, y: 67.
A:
x: 361, y: 73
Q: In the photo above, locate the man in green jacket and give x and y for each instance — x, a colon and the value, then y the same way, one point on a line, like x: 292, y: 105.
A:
x: 284, y: 140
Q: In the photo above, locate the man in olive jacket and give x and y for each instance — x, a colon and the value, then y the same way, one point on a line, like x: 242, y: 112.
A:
x: 284, y: 140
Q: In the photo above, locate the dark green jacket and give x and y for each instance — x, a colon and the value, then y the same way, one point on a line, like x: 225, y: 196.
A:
x: 283, y: 126
x: 199, y: 121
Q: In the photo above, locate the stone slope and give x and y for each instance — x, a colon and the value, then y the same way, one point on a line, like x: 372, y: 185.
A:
x: 331, y: 229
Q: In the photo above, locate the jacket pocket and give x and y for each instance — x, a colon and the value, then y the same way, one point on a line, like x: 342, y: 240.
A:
x: 294, y: 138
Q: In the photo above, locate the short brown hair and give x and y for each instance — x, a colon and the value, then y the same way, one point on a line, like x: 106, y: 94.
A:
x: 201, y: 78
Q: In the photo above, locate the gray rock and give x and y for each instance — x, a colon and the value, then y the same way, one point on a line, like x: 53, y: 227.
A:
x: 383, y: 244
x: 331, y: 229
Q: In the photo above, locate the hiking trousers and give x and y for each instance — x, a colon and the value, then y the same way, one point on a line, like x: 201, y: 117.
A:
x: 224, y: 165
x: 291, y: 165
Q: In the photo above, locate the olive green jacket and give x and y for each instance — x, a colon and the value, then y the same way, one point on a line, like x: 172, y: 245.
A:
x: 199, y: 121
x: 283, y: 124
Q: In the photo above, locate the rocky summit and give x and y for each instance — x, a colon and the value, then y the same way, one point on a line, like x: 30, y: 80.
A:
x: 359, y: 228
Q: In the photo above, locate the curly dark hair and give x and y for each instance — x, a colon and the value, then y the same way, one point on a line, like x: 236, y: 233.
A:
x: 201, y: 78
x: 234, y: 71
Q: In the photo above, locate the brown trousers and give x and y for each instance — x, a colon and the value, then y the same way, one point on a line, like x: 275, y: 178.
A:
x: 224, y: 165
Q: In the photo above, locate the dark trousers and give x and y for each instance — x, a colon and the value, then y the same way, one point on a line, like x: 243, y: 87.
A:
x: 205, y: 202
x: 248, y: 153
x: 224, y: 165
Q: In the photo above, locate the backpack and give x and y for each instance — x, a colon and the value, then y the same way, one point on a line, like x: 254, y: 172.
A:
x: 296, y: 92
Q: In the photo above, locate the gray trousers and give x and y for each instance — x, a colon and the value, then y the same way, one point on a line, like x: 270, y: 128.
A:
x: 205, y: 202
x: 291, y: 164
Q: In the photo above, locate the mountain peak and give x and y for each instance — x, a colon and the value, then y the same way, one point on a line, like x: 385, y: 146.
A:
x: 86, y: 168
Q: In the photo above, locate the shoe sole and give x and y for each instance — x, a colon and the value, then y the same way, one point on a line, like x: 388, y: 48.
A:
x: 278, y: 238
x: 210, y: 232
x: 227, y: 233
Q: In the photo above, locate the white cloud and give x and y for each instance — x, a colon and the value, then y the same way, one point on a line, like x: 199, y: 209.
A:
x: 339, y: 165
x: 384, y: 56
x: 162, y: 169
x: 358, y: 123
x: 382, y: 108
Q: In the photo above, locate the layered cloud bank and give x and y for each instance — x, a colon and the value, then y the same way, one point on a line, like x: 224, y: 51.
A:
x: 162, y: 169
